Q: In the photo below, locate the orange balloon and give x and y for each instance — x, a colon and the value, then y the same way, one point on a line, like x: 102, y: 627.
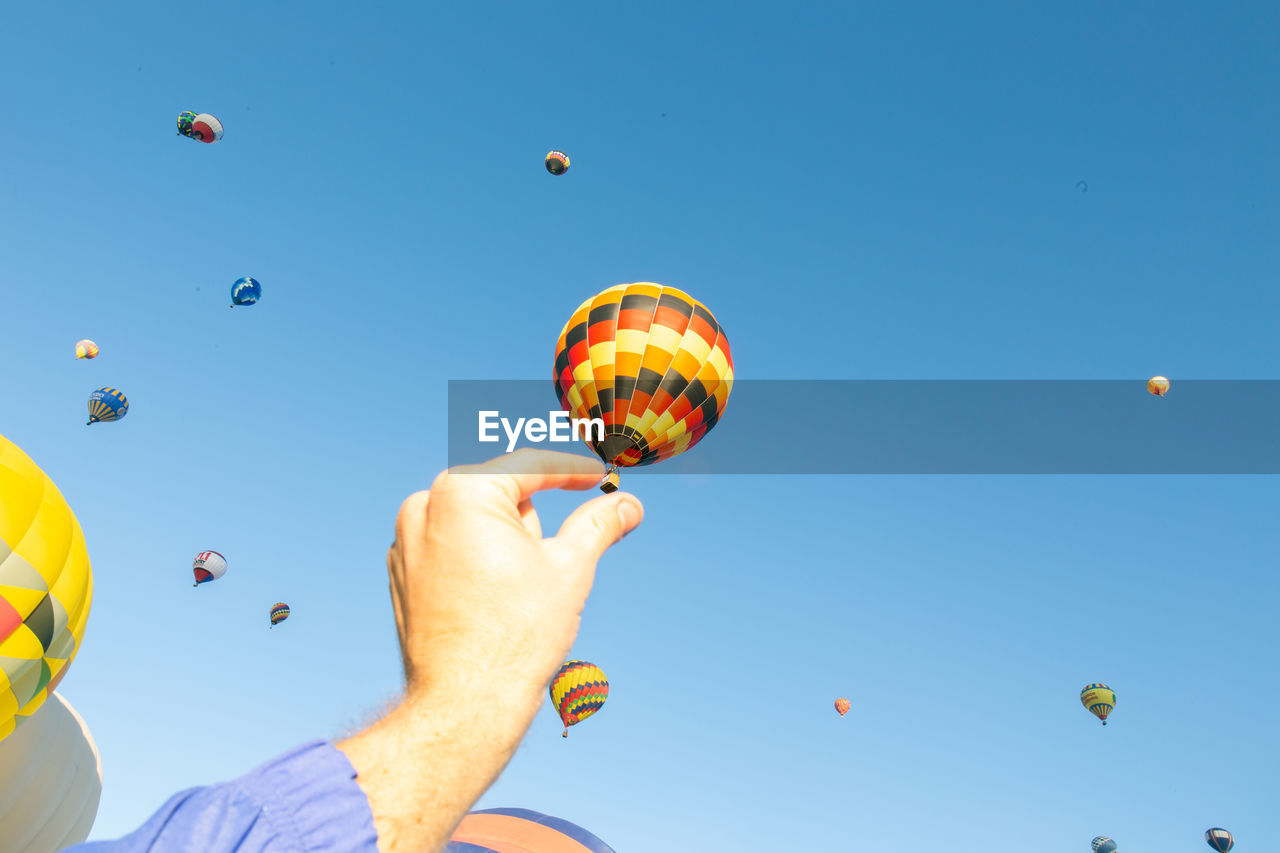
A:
x: 843, y: 705
x: 1158, y: 385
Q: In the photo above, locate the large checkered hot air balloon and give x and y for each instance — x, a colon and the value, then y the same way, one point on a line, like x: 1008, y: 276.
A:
x: 46, y: 587
x: 649, y: 361
x: 578, y: 691
x: 510, y: 830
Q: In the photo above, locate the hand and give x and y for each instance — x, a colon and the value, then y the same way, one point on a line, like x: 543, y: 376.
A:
x: 478, y: 593
x: 487, y: 610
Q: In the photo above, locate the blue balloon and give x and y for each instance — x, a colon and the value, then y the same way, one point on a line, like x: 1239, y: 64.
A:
x: 106, y: 405
x: 1102, y: 844
x: 246, y: 291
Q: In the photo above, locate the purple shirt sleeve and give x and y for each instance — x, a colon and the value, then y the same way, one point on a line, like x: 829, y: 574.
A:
x: 305, y: 800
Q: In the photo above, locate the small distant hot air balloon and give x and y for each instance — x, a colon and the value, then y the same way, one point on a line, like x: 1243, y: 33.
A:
x: 279, y: 613
x: 185, y: 118
x: 208, y: 566
x: 86, y: 349
x: 245, y: 291
x: 649, y: 361
x: 1158, y: 385
x: 106, y: 405
x: 511, y: 830
x: 1102, y: 844
x: 206, y: 128
x: 1219, y: 839
x: 578, y: 691
x: 557, y: 162
x: 843, y: 705
x: 1099, y: 699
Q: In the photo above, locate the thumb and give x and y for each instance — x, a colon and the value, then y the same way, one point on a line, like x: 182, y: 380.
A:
x: 599, y: 523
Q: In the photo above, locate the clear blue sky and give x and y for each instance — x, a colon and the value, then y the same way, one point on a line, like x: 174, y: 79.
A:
x: 856, y: 192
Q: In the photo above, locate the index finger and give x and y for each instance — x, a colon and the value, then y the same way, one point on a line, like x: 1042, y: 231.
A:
x: 527, y: 471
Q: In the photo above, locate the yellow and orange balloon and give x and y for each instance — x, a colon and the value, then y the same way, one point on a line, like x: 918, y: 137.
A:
x: 86, y: 349
x: 649, y: 361
x: 843, y: 705
x: 46, y: 586
x: 578, y: 690
x: 1158, y: 385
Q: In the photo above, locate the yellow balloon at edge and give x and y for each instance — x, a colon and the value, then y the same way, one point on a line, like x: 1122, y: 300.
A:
x: 1099, y: 699
x: 46, y: 586
x: 1158, y: 385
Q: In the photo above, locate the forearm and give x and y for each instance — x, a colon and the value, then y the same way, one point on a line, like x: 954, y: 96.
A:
x: 425, y: 764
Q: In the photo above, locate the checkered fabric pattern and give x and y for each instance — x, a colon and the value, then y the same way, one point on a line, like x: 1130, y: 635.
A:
x: 652, y: 363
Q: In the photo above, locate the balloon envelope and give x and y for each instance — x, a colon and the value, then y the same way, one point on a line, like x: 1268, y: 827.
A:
x: 107, y: 405
x: 245, y: 291
x: 843, y: 706
x: 649, y: 361
x: 1219, y: 839
x: 521, y: 831
x: 50, y: 781
x: 557, y: 162
x: 1158, y: 385
x: 578, y: 691
x: 46, y: 587
x: 279, y: 613
x: 206, y: 128
x: 208, y: 566
x: 1099, y: 699
x: 1102, y: 844
x: 86, y: 349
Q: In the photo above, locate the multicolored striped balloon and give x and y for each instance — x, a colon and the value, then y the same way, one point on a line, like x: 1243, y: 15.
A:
x: 652, y: 364
x: 86, y: 349
x: 106, y: 405
x: 279, y: 613
x: 1099, y: 699
x: 46, y: 586
x: 578, y: 691
x: 521, y: 831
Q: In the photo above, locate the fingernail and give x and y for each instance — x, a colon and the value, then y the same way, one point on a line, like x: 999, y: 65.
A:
x: 628, y: 513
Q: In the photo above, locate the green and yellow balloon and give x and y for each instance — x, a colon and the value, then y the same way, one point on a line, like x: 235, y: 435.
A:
x: 1099, y: 699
